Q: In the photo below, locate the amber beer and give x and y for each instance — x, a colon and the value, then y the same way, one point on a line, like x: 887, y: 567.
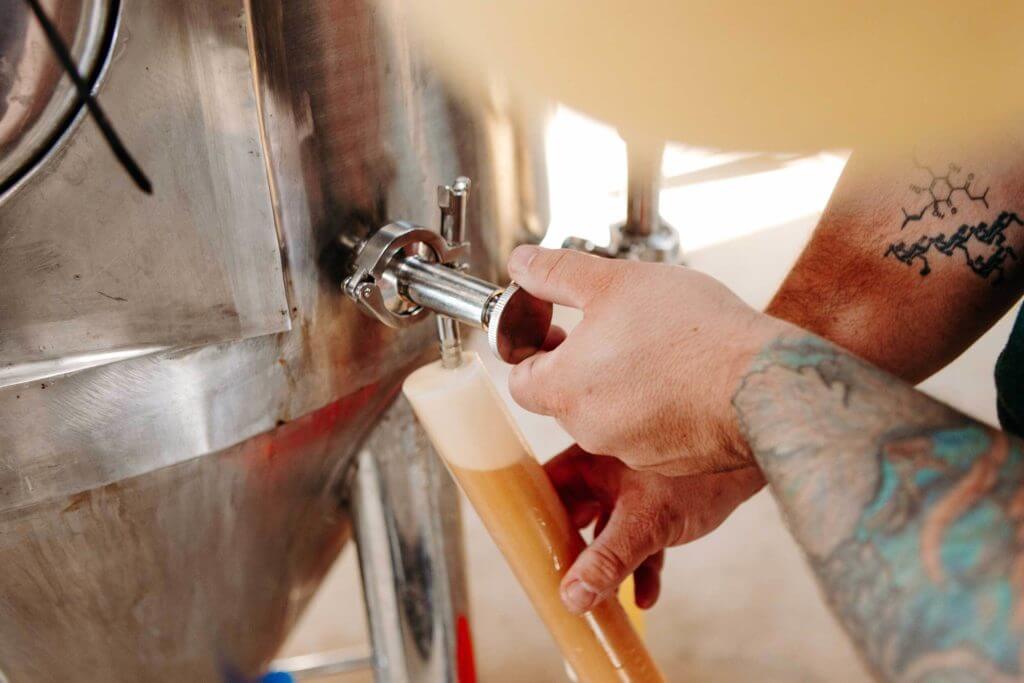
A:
x: 471, y: 429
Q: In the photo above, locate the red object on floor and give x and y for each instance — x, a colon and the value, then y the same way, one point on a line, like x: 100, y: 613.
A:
x: 465, y: 663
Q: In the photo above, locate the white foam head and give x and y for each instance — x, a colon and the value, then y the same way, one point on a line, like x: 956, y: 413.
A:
x: 464, y: 416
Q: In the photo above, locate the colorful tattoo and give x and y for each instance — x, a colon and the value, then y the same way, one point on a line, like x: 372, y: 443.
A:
x: 911, y: 514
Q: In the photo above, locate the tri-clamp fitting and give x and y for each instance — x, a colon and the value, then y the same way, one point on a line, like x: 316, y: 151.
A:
x: 403, y: 272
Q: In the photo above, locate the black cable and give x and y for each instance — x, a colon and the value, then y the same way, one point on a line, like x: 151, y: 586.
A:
x: 109, y: 134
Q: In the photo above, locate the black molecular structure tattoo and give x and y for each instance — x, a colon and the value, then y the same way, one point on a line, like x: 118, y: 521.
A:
x: 982, y: 233
x: 940, y: 193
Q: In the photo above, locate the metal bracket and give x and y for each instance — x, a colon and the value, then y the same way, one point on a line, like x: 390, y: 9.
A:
x: 372, y: 287
x: 372, y: 284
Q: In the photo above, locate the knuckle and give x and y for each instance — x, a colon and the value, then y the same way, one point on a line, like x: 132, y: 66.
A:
x: 521, y: 384
x: 646, y: 525
x: 656, y: 523
x: 518, y: 379
x: 602, y: 277
x: 595, y: 273
x: 552, y: 265
x: 606, y: 566
x: 606, y: 277
x: 535, y: 384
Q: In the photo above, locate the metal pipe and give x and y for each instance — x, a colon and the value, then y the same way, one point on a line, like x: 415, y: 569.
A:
x: 318, y: 664
x: 644, y: 236
x: 408, y: 529
x: 450, y: 339
x: 403, y: 271
x: 445, y: 291
x: 642, y: 189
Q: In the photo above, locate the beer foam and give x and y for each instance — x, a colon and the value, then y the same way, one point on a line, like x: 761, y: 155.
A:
x: 461, y: 411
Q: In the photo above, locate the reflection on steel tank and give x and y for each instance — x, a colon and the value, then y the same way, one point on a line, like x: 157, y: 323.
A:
x: 185, y: 391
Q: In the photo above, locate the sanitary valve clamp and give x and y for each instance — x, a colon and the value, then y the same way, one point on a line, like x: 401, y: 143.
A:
x: 403, y: 272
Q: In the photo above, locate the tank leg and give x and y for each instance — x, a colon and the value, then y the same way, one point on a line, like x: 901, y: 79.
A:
x: 405, y: 510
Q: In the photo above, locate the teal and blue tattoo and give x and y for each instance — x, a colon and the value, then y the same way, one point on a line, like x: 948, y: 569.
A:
x: 911, y: 514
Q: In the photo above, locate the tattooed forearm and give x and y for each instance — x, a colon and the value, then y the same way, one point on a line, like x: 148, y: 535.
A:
x: 983, y: 264
x: 940, y: 193
x: 911, y: 514
x: 983, y: 243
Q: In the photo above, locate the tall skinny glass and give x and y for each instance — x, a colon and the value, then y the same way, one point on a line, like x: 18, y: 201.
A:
x: 472, y: 430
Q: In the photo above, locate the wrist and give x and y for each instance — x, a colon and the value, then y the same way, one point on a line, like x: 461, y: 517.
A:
x: 758, y: 333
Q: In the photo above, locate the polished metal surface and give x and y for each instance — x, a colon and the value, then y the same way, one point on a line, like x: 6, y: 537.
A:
x: 452, y: 200
x: 645, y: 236
x: 37, y: 101
x: 165, y: 513
x: 189, y: 573
x: 89, y: 261
x: 450, y: 340
x: 404, y: 271
x: 99, y: 270
x: 408, y: 532
x: 643, y: 186
x: 374, y: 284
x: 183, y: 403
x: 445, y: 290
x: 515, y: 321
x: 660, y: 246
x: 517, y: 324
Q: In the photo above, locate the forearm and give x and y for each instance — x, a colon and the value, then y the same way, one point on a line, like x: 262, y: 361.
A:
x: 914, y: 257
x: 910, y: 513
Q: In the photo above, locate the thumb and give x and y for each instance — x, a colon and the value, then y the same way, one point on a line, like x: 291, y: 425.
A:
x: 624, y: 543
x: 561, y: 276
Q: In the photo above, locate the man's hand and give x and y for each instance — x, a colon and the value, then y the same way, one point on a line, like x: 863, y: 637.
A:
x: 638, y: 515
x: 648, y: 374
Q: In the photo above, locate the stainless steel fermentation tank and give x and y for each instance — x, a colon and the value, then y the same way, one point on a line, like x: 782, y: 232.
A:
x: 194, y: 417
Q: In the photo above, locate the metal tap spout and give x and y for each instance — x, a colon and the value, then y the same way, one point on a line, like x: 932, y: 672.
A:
x: 404, y: 271
x: 644, y: 236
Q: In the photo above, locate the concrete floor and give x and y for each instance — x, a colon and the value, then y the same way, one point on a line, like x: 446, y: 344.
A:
x: 740, y: 605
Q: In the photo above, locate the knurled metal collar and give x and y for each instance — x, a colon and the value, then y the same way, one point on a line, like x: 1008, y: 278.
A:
x: 518, y: 324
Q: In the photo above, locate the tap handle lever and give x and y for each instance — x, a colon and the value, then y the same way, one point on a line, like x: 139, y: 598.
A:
x: 453, y: 200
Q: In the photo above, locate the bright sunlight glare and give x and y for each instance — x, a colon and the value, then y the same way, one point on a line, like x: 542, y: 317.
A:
x: 708, y: 196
